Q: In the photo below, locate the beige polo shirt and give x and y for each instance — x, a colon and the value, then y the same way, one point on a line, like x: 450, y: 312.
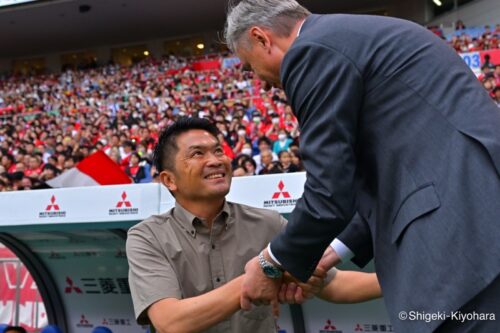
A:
x: 174, y: 255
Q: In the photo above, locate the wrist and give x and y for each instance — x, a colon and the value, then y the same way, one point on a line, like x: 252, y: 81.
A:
x: 270, y: 258
x: 269, y: 268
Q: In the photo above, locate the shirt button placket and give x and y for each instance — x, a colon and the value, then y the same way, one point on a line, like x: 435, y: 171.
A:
x: 216, y: 266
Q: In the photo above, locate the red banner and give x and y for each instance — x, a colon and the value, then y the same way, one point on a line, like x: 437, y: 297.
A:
x: 494, y: 56
x: 206, y: 65
x: 32, y: 314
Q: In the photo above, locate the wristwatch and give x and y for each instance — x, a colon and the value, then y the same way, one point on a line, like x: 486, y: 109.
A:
x: 270, y: 270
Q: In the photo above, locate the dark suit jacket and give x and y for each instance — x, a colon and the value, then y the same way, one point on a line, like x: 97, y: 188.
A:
x: 396, y: 127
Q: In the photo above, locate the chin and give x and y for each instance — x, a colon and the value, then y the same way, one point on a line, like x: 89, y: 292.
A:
x: 222, y: 190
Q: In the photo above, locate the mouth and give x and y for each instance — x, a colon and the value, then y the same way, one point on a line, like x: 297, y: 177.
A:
x: 218, y: 175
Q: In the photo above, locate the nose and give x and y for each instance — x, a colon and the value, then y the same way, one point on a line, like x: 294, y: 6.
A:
x: 214, y: 160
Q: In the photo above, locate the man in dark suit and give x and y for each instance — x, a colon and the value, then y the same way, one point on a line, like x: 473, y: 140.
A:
x: 396, y: 128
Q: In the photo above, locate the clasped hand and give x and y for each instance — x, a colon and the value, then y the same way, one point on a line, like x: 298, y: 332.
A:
x: 258, y: 289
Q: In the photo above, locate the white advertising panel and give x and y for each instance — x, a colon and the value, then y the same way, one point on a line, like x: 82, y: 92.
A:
x: 75, y: 205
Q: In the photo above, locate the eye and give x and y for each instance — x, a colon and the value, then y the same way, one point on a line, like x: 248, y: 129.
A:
x: 219, y: 151
x: 196, y: 153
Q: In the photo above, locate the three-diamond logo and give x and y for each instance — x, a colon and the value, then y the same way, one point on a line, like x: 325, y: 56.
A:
x: 281, y: 191
x: 52, y: 204
x: 84, y: 322
x: 124, y: 207
x: 280, y: 198
x: 70, y: 287
x: 124, y: 201
x: 329, y: 328
x: 52, y: 209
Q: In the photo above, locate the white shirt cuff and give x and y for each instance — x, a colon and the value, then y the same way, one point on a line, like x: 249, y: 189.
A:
x: 344, y: 253
x: 272, y: 255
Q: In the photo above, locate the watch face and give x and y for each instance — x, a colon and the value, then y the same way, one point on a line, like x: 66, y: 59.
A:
x: 271, y: 272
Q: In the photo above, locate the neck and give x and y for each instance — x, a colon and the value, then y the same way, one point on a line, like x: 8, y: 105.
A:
x: 285, y: 43
x: 206, y: 210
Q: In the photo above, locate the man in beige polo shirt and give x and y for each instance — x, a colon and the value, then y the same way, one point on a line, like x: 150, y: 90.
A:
x: 186, y: 265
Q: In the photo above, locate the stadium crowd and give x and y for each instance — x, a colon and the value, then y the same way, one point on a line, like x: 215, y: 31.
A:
x: 469, y: 40
x: 51, y: 122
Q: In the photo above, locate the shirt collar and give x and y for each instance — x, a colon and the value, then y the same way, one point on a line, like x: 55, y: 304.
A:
x: 300, y: 28
x: 189, y: 221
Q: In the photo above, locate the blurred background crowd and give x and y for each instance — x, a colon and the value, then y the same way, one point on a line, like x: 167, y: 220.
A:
x: 50, y: 122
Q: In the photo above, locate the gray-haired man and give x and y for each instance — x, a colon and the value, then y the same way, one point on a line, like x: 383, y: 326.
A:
x: 394, y: 126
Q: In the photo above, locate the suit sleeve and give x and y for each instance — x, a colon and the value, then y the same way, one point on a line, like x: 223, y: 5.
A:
x: 325, y: 90
x: 358, y: 238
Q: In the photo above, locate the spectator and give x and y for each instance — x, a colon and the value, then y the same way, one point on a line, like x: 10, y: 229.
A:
x: 228, y: 151
x: 459, y: 25
x: 283, y: 142
x: 8, y: 163
x: 126, y: 151
x: 285, y: 160
x: 34, y: 169
x: 496, y: 95
x: 247, y: 149
x: 49, y: 172
x: 264, y: 144
x: 249, y: 166
x: 26, y: 184
x: 489, y: 83
x: 297, y: 160
x: 134, y: 170
x: 497, y: 75
x: 240, y: 140
x: 239, y: 171
x: 266, y: 163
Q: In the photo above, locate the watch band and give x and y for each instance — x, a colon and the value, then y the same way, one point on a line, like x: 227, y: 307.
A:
x: 270, y: 270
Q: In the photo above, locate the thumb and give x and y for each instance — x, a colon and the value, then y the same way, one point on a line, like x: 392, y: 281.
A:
x: 245, y: 302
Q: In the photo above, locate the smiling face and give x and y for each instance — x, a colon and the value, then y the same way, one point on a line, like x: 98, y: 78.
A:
x: 201, y: 170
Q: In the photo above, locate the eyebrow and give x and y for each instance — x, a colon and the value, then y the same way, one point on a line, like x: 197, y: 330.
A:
x: 215, y: 145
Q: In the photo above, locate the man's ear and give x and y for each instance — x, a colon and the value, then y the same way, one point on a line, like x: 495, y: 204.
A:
x: 260, y: 37
x: 167, y: 178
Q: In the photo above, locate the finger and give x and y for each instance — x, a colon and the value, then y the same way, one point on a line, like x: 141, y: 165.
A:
x: 299, y: 296
x: 281, y: 294
x: 315, y: 284
x: 329, y: 259
x: 290, y: 293
x: 287, y: 277
x: 319, y: 272
x: 245, y: 302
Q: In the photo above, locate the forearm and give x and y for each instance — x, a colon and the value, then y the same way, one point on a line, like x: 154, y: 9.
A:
x: 198, y: 313
x: 351, y: 287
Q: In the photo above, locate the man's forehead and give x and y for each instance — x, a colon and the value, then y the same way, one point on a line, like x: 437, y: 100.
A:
x: 196, y: 137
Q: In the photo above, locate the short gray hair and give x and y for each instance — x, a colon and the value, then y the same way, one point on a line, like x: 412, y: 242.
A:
x: 278, y: 16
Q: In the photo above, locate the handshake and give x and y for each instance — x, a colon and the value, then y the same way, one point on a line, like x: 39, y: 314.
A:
x: 331, y: 285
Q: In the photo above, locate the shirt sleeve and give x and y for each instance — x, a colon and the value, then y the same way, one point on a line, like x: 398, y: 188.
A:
x: 342, y: 250
x: 151, y: 276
